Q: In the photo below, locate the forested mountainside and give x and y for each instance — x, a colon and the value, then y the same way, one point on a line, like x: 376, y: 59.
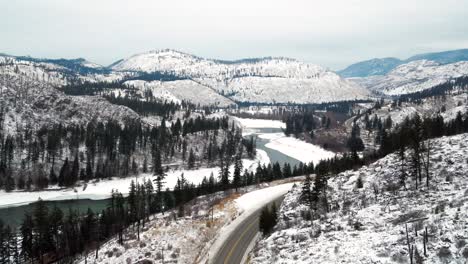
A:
x: 403, y: 201
x: 176, y: 76
x: 265, y: 80
x: 69, y: 138
x: 412, y: 77
x: 381, y: 66
x: 385, y: 212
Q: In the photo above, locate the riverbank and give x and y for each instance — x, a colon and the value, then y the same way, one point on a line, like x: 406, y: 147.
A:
x: 102, y: 189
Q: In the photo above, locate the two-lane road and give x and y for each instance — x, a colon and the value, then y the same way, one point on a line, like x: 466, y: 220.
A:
x: 236, y: 245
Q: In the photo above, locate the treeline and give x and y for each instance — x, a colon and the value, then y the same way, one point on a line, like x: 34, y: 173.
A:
x: 64, y: 155
x: 412, y: 136
x: 459, y: 84
x: 92, y: 88
x: 149, y: 106
x: 144, y: 104
x: 340, y: 107
x: 50, y: 235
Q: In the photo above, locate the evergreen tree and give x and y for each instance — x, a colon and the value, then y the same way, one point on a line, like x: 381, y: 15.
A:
x: 26, y: 230
x: 191, y: 160
x: 236, y: 181
x: 64, y: 174
x: 52, y: 176
x: 306, y: 193
x: 74, y: 173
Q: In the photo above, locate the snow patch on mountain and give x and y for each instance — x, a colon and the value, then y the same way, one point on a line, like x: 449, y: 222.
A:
x: 266, y: 80
x: 182, y: 90
x: 413, y: 77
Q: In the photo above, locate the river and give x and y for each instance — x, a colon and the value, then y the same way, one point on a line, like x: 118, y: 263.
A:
x: 14, y: 215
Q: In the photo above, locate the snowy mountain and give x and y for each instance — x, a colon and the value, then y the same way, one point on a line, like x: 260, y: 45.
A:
x: 381, y: 66
x: 413, y: 77
x: 368, y: 224
x: 264, y: 80
x: 29, y: 99
x: 370, y: 67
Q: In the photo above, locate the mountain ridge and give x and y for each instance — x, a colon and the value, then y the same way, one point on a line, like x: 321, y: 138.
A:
x: 368, y: 68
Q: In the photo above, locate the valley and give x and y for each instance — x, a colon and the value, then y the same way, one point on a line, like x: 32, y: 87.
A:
x: 167, y: 157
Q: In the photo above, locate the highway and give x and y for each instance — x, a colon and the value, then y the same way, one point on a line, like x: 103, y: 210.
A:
x: 236, y: 245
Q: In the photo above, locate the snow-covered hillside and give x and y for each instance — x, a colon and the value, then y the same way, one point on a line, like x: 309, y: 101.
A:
x: 413, y: 77
x: 30, y: 100
x: 368, y: 224
x: 265, y: 80
x: 182, y: 90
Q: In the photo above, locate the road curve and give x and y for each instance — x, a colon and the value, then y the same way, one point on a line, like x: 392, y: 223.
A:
x: 236, y: 245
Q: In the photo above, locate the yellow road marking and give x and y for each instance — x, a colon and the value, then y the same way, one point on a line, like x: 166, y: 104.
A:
x: 237, y: 242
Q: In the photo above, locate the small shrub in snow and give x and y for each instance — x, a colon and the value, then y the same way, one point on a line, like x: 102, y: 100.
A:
x: 392, y: 187
x: 465, y: 252
x: 306, y: 215
x: 359, y: 183
x: 301, y: 237
x: 449, y: 178
x: 440, y: 208
x: 399, y: 257
x: 461, y: 243
x: 357, y: 225
x: 444, y: 252
x: 337, y: 249
x: 144, y: 261
x: 158, y: 255
x: 418, y: 259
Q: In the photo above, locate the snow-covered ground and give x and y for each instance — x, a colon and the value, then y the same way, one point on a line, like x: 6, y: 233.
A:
x: 297, y: 149
x: 247, y: 123
x: 292, y: 147
x: 429, y: 107
x: 102, y: 189
x: 246, y: 205
x: 254, y: 80
x: 367, y: 225
x: 189, y: 239
x: 413, y: 77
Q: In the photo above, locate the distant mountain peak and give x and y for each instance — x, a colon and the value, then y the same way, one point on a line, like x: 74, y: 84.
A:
x: 382, y: 66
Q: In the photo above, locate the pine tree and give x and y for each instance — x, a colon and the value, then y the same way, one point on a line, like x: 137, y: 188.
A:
x: 42, y: 242
x: 26, y: 230
x: 64, y: 174
x: 236, y: 181
x: 191, y: 159
x: 74, y: 173
x: 306, y: 193
x: 159, y: 180
x: 89, y: 171
x: 56, y: 221
x: 145, y: 165
x: 9, y: 183
x: 53, y: 176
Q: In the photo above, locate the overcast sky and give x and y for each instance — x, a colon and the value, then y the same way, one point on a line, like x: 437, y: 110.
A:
x: 331, y: 33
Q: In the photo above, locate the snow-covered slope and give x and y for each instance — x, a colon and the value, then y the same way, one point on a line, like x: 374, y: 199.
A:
x: 367, y: 225
x: 182, y: 90
x: 413, y: 77
x: 265, y: 80
x: 381, y: 66
x: 29, y: 99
